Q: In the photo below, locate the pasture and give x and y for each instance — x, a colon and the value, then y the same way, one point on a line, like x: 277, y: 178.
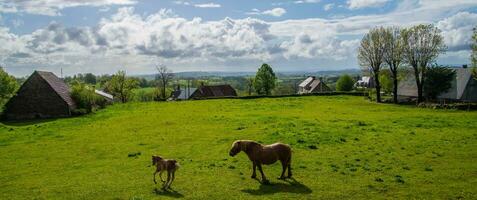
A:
x: 344, y: 147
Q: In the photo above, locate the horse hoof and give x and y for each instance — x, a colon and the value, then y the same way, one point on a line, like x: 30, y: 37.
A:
x: 281, y: 178
x: 253, y: 176
x: 266, y: 182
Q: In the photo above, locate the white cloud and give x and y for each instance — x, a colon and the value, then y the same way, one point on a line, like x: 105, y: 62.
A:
x: 53, y: 7
x: 306, y: 1
x: 358, y: 4
x: 329, y: 6
x: 180, y: 2
x: 135, y: 42
x: 457, y: 30
x: 207, y: 5
x: 276, y: 12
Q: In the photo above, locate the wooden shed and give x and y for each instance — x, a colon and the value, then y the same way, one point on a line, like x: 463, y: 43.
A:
x: 43, y: 95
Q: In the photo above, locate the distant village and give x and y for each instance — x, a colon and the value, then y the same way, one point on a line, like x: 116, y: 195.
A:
x: 45, y: 95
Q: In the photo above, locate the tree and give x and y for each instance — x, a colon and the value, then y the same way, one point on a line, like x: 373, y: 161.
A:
x: 121, y: 86
x: 371, y: 54
x: 422, y: 44
x: 386, y: 81
x: 265, y: 80
x: 8, y: 86
x: 345, y: 83
x: 393, y: 54
x: 250, y: 81
x: 438, y: 80
x: 90, y: 78
x: 164, y: 76
x: 474, y: 54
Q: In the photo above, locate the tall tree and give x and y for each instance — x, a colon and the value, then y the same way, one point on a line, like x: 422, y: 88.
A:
x: 90, y: 78
x: 371, y: 54
x: 422, y: 45
x: 393, y: 54
x: 265, y: 80
x: 474, y: 54
x: 8, y: 86
x: 345, y: 83
x: 164, y: 76
x: 122, y: 86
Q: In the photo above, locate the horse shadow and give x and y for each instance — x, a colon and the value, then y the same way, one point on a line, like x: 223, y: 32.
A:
x: 168, y: 193
x: 291, y: 186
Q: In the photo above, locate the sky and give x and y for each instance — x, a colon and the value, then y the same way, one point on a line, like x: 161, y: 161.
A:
x: 104, y: 36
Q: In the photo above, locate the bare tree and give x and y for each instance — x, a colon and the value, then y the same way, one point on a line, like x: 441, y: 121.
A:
x: 393, y: 54
x: 371, y: 53
x: 422, y: 45
x: 164, y: 76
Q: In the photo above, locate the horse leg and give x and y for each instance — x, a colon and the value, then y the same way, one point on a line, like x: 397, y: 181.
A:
x: 284, y: 168
x: 160, y: 175
x: 154, y: 175
x: 254, y: 174
x: 172, y: 179
x: 166, y: 184
x: 289, y: 167
x: 264, y: 179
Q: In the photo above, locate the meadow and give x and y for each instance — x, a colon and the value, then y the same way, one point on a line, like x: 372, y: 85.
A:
x: 344, y: 147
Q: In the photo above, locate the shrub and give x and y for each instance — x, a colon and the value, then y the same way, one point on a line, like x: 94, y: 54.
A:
x: 86, y: 99
x: 438, y: 80
x: 147, y: 95
x: 345, y: 83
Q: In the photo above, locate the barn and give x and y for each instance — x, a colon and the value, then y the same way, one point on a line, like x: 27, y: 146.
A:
x: 43, y: 95
x: 463, y: 89
x: 211, y: 91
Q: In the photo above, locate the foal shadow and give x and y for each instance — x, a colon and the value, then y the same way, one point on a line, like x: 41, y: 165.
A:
x: 291, y: 186
x: 168, y: 193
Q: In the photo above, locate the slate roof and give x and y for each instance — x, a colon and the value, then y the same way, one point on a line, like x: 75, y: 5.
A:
x: 182, y: 94
x: 215, y: 91
x: 58, y: 85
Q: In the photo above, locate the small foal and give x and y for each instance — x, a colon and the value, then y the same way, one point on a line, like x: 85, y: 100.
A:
x: 162, y: 165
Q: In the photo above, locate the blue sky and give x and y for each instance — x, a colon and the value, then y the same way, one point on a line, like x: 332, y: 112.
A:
x: 103, y: 36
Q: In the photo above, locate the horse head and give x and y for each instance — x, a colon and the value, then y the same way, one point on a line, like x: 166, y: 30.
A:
x: 236, y: 148
x: 156, y: 159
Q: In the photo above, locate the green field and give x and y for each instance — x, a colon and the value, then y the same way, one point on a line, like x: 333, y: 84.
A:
x: 344, y: 147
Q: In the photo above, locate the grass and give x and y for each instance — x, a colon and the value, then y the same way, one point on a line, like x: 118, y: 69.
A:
x: 344, y: 148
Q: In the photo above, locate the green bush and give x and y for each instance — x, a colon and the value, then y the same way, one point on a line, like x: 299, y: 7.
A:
x: 345, y: 83
x: 145, y: 95
x: 86, y: 99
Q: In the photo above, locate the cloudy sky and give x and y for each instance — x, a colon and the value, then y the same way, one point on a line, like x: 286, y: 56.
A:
x: 103, y: 36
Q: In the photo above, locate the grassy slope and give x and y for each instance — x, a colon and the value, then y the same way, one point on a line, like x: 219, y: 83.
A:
x: 364, y: 151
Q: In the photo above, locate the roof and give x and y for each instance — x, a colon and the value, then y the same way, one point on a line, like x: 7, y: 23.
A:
x: 104, y: 94
x: 216, y: 91
x: 183, y: 94
x: 307, y: 81
x: 58, y: 85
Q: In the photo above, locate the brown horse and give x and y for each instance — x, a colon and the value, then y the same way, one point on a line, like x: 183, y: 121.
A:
x: 264, y: 154
x: 162, y: 165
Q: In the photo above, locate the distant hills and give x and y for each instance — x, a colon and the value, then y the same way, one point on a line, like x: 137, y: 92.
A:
x: 204, y: 74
